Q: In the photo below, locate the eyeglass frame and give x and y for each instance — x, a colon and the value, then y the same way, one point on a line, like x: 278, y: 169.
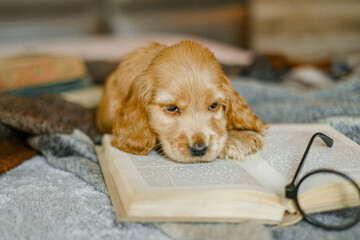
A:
x: 291, y: 190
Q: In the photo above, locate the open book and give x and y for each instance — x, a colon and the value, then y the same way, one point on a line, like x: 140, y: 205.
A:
x: 154, y: 188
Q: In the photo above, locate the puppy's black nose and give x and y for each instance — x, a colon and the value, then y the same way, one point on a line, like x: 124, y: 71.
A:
x: 198, y: 150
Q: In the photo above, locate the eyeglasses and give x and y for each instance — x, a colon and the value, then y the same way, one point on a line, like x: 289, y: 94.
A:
x: 346, y: 215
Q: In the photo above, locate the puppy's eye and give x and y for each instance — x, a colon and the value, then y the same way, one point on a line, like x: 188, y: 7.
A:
x: 214, y: 106
x: 172, y: 108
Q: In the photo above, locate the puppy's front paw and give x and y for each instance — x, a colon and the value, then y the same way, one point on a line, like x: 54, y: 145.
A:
x: 241, y: 143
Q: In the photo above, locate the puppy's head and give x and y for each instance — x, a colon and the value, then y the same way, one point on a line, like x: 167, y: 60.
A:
x: 184, y: 100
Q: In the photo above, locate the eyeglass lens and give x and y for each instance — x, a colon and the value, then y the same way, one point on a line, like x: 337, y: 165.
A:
x: 329, y: 200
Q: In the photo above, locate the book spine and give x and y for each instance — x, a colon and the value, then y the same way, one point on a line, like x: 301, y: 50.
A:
x: 53, y: 88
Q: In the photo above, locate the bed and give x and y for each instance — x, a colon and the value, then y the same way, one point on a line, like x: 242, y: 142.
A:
x: 60, y: 193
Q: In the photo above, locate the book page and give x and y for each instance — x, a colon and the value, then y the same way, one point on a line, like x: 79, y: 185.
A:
x: 158, y: 173
x: 275, y: 165
x: 286, y: 144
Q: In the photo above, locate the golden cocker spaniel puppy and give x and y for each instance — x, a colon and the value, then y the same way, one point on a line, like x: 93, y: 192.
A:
x: 179, y: 96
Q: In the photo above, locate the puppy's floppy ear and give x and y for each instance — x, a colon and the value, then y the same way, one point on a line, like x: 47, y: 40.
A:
x: 131, y: 128
x: 238, y: 113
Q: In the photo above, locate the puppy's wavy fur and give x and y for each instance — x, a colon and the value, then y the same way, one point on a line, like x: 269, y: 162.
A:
x: 179, y: 96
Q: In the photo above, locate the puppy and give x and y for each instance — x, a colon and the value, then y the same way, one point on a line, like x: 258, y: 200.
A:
x: 180, y: 97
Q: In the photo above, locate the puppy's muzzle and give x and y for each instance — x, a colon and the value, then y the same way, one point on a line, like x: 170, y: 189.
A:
x: 198, y: 150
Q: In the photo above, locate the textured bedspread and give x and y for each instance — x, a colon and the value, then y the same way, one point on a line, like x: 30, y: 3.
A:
x: 338, y: 105
x: 62, y: 195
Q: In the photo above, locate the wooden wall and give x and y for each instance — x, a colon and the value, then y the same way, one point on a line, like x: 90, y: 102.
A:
x: 306, y: 29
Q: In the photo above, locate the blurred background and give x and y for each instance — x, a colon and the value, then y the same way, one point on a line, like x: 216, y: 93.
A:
x: 57, y: 46
x: 303, y: 29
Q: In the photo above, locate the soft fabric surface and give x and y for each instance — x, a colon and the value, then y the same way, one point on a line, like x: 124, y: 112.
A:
x: 215, y: 231
x: 41, y: 202
x: 72, y: 153
x: 338, y: 105
x: 13, y: 151
x: 46, y: 114
x: 38, y: 201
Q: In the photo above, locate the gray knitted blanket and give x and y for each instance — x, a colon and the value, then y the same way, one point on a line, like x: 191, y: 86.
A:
x: 62, y: 195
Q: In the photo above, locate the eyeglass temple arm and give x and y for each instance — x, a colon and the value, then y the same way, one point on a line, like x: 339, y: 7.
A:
x: 328, y: 141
